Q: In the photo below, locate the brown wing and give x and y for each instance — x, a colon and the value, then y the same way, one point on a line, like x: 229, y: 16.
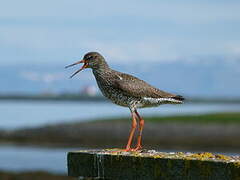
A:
x: 133, y: 86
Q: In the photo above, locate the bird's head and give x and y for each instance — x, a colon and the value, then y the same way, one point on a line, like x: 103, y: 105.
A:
x: 92, y: 60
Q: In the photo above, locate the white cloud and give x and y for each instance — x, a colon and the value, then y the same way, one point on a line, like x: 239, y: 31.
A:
x: 42, y: 77
x: 234, y: 48
x: 53, y: 31
x: 133, y: 51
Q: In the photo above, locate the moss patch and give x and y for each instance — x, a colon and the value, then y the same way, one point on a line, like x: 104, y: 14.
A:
x: 223, y: 118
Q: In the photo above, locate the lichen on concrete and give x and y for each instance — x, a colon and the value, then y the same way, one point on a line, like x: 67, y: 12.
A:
x: 150, y: 164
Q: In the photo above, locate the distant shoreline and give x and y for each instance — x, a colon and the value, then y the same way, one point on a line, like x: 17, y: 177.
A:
x: 64, y: 97
x: 203, y: 132
x: 77, y: 97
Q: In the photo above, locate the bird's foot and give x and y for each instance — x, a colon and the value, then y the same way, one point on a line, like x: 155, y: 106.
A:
x: 122, y: 150
x: 139, y: 147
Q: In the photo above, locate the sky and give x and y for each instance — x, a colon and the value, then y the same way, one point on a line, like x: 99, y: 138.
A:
x: 195, y: 44
x: 62, y: 31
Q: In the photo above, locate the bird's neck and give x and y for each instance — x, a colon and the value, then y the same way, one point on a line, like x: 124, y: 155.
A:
x: 102, y: 69
x: 100, y: 65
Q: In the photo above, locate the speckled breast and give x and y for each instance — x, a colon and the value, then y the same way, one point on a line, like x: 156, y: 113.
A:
x: 115, y: 95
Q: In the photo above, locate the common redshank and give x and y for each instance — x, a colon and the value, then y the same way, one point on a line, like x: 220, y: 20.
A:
x: 126, y: 90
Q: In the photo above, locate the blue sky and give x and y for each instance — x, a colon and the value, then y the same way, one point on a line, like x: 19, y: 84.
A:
x: 61, y: 31
x: 195, y: 43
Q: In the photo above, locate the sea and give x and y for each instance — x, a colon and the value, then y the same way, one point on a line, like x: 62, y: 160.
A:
x: 23, y: 114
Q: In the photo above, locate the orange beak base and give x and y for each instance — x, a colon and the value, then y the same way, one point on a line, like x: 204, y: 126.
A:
x: 85, y: 65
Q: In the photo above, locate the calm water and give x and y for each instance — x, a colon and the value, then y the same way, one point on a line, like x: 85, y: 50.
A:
x: 20, y: 158
x: 25, y: 114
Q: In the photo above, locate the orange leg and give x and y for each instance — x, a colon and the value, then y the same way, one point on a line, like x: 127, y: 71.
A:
x: 134, y: 125
x: 141, y: 125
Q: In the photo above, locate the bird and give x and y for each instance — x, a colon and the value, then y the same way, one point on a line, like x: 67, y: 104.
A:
x: 127, y: 91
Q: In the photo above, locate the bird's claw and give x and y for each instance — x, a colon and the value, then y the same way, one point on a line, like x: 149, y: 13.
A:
x: 139, y: 147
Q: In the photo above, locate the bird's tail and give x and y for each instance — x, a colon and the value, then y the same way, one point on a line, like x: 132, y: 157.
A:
x: 179, y: 98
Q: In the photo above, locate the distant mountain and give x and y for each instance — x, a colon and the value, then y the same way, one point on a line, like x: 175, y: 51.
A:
x: 198, y: 78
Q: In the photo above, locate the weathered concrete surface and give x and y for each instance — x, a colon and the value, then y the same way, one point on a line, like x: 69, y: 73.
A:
x: 150, y: 164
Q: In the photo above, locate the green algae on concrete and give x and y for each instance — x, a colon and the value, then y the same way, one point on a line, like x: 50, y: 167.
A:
x: 149, y: 164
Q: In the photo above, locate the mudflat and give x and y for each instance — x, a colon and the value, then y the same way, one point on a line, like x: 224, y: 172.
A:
x: 211, y: 132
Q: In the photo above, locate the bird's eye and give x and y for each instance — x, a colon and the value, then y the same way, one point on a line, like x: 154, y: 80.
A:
x: 89, y: 57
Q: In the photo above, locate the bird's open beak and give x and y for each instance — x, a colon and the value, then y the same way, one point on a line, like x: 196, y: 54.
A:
x: 85, y: 65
